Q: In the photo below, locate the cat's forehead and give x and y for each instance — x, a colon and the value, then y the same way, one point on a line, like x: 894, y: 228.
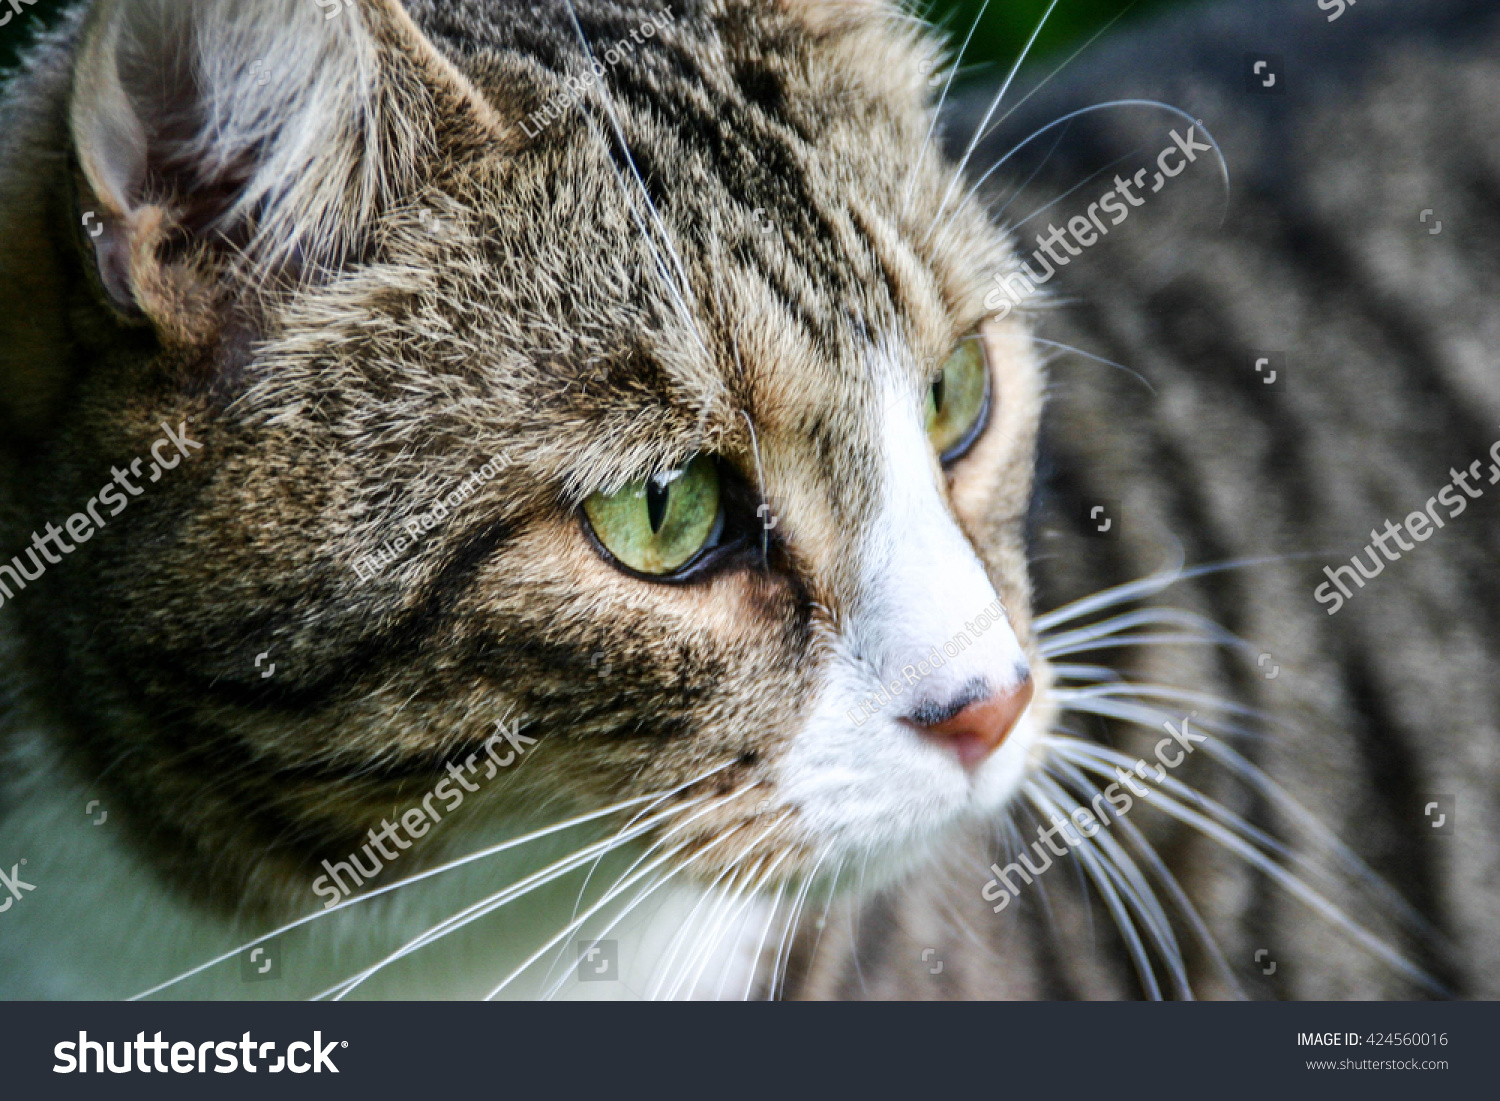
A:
x: 727, y: 231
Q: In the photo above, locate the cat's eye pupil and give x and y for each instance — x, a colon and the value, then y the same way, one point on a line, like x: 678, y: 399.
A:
x: 658, y: 525
x: 657, y: 496
x: 958, y: 401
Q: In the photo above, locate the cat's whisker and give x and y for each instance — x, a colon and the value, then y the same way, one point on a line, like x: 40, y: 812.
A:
x: 996, y: 215
x: 488, y: 905
x: 708, y: 895
x: 979, y: 131
x: 765, y: 933
x: 1161, y: 691
x: 733, y: 933
x: 681, y: 286
x: 1128, y: 640
x: 491, y: 903
x: 770, y: 924
x: 1102, y: 760
x: 1231, y: 838
x: 752, y: 896
x: 722, y: 902
x: 767, y: 832
x: 1372, y: 943
x: 735, y: 911
x: 1092, y: 674
x: 1068, y: 118
x: 368, y: 896
x: 588, y: 878
x: 1155, y: 583
x: 1072, y: 57
x: 1145, y: 617
x: 630, y: 907
x: 783, y: 950
x: 1132, y: 885
x: 1080, y: 185
x: 760, y: 482
x: 1251, y: 774
x: 619, y: 888
x: 1113, y: 707
x: 624, y: 883
x: 1117, y: 908
x: 856, y: 916
x: 1041, y: 884
x: 573, y: 917
x: 1113, y: 597
x: 927, y: 142
x: 620, y: 885
x: 746, y: 886
x: 789, y: 924
x: 822, y: 923
x: 1144, y: 849
x: 1097, y: 359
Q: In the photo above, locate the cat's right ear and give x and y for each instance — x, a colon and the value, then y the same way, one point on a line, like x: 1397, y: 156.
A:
x: 225, y: 139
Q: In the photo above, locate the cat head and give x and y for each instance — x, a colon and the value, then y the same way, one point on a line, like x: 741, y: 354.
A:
x: 618, y: 369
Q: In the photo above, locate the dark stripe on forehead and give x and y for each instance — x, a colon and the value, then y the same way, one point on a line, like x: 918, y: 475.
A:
x: 759, y: 160
x: 672, y: 86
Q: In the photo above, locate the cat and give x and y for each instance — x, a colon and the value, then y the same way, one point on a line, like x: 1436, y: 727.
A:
x: 536, y: 375
x: 749, y: 457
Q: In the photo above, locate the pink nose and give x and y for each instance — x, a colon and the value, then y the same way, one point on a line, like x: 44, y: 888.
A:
x: 982, y: 727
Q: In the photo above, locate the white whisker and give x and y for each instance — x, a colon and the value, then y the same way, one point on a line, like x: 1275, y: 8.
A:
x: 760, y: 946
x: 491, y: 903
x: 702, y: 954
x: 1122, y: 641
x: 1163, y: 875
x: 979, y: 131
x: 621, y: 886
x: 450, y: 866
x: 911, y: 174
x: 1291, y: 883
x: 1071, y: 115
x: 783, y: 950
x: 1123, y: 921
x: 1127, y: 878
x: 1097, y: 359
x: 1202, y: 626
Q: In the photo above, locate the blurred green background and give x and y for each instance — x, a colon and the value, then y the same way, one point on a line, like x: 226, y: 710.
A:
x: 1006, y: 26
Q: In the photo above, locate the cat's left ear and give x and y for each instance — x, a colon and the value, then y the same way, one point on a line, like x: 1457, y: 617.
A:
x: 222, y: 140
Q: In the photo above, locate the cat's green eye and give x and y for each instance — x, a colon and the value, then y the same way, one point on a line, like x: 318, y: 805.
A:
x: 958, y: 401
x: 658, y: 525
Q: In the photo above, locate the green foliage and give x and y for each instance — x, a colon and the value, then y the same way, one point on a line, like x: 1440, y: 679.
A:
x: 1008, y: 24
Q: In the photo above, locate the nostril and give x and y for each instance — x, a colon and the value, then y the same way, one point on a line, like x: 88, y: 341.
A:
x: 937, y: 712
x: 974, y: 725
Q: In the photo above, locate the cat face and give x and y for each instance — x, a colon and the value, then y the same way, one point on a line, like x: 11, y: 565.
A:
x: 659, y: 411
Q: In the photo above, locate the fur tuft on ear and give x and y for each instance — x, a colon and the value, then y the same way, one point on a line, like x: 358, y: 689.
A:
x: 261, y: 136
